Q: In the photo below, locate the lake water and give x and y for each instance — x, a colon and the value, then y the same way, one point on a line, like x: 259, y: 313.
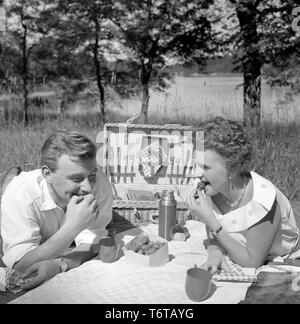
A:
x: 207, y: 96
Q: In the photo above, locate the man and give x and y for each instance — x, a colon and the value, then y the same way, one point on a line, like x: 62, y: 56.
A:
x: 45, y: 210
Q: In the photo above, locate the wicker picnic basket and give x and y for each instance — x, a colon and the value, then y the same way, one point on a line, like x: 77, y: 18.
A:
x: 140, y: 162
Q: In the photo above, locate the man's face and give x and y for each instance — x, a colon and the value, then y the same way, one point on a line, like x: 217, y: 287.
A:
x: 71, y: 178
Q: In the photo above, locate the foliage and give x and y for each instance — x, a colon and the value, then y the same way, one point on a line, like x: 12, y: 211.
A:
x: 158, y: 32
x: 276, y: 40
x: 260, y: 36
x: 131, y: 46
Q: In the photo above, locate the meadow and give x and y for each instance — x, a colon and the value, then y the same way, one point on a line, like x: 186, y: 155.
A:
x: 276, y: 141
x: 198, y: 97
x: 202, y: 97
x: 276, y: 147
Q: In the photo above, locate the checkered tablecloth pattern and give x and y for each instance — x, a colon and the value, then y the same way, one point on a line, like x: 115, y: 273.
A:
x: 151, y: 159
x: 236, y: 273
x: 9, y: 279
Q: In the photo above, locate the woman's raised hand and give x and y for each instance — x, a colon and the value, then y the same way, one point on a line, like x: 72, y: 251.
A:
x: 201, y: 208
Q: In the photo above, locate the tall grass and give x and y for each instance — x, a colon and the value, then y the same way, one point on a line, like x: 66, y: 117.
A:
x: 20, y: 145
x: 276, y: 156
x: 276, y: 147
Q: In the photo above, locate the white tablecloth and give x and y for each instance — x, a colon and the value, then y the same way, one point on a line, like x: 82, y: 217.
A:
x: 123, y: 283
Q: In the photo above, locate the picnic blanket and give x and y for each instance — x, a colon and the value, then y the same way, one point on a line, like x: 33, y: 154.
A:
x: 122, y: 283
x: 276, y: 284
x: 10, y: 279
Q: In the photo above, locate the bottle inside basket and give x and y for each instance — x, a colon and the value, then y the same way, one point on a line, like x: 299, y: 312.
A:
x: 167, y: 214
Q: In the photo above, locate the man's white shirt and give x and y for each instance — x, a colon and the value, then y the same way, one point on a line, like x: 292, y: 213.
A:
x: 30, y: 216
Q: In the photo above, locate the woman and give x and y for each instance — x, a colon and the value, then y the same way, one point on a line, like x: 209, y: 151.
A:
x: 246, y: 216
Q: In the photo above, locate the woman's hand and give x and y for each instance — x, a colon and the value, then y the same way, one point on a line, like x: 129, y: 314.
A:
x: 215, y: 261
x: 40, y: 272
x: 201, y: 208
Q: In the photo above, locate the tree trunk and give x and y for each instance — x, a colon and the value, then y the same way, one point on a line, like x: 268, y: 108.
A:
x: 252, y: 95
x: 98, y: 75
x: 145, y: 78
x: 145, y: 103
x: 246, y: 12
x: 25, y: 74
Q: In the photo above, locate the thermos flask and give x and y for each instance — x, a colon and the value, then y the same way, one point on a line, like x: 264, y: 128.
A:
x: 167, y: 214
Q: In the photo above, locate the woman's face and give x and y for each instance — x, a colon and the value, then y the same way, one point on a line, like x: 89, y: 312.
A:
x: 214, y: 171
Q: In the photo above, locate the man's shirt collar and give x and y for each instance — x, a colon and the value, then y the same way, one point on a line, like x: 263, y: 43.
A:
x: 47, y: 203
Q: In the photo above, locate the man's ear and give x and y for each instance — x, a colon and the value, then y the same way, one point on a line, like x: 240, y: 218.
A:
x: 47, y: 174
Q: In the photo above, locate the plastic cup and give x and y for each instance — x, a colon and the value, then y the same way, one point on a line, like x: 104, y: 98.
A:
x: 179, y: 233
x: 108, y: 250
x: 198, y: 284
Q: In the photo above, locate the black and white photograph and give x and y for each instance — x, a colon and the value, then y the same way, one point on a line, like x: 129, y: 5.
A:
x: 149, y: 154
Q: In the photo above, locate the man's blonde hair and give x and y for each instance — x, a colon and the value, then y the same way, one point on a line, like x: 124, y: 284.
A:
x: 77, y: 146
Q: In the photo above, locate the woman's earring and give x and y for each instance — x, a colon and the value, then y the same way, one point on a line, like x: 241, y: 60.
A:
x: 229, y: 178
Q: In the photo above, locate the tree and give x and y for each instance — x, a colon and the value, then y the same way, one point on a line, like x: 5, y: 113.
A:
x: 80, y: 28
x: 22, y: 15
x: 8, y: 53
x: 250, y: 59
x: 157, y: 31
x: 283, y: 65
x: 264, y: 36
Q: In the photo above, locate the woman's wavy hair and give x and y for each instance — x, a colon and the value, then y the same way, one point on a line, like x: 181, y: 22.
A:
x: 77, y: 146
x: 228, y: 139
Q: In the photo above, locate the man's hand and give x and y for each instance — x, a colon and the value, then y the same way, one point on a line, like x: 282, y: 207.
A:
x: 81, y: 212
x: 40, y: 272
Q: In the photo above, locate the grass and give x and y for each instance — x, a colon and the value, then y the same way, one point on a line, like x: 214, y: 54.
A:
x: 277, y: 156
x: 276, y: 147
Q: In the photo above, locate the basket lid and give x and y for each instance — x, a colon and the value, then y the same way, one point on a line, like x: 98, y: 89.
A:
x: 138, y: 157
